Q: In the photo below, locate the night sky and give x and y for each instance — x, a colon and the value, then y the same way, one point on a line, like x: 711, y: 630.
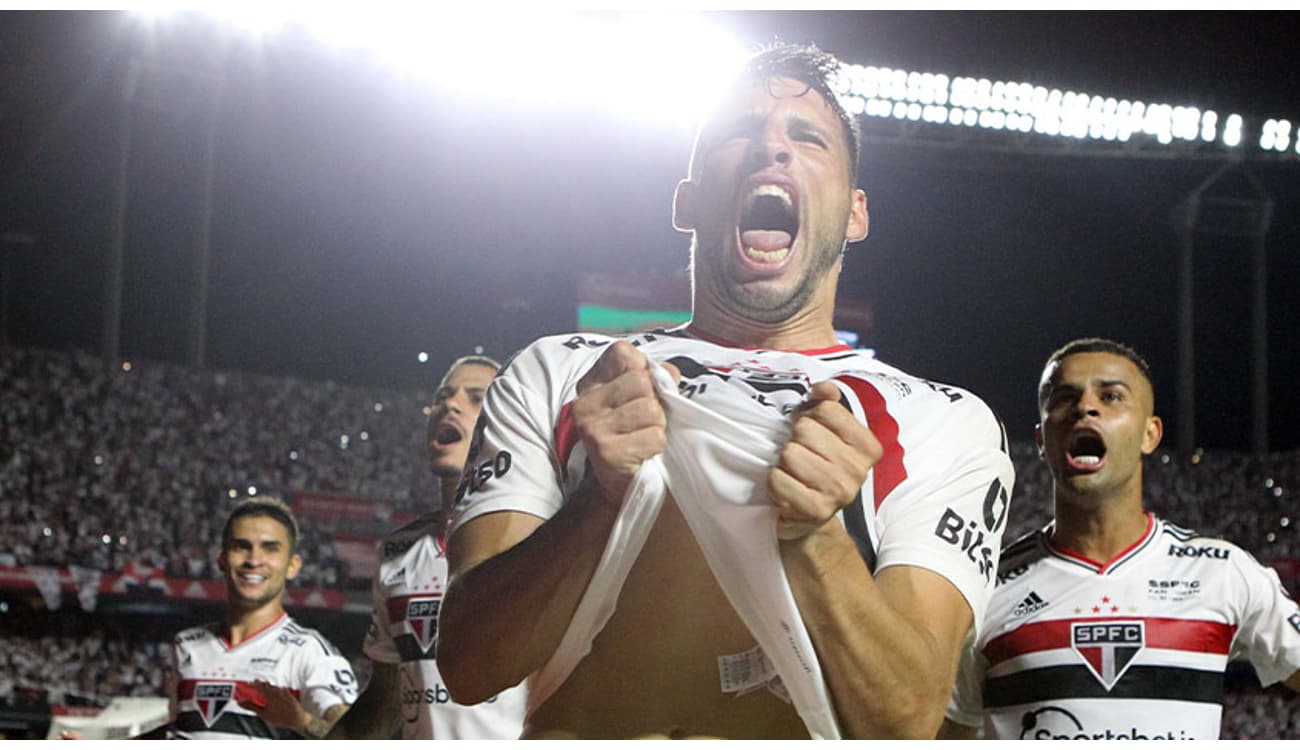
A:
x: 361, y: 216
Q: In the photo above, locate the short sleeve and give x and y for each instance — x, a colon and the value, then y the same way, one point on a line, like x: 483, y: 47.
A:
x: 327, y: 682
x: 1269, y: 630
x: 949, y: 513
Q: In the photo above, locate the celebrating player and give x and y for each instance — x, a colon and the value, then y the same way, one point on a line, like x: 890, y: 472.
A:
x: 405, y: 686
x: 259, y: 674
x: 882, y: 496
x: 1111, y: 623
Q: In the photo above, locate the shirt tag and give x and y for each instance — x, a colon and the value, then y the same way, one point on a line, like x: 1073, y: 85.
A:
x: 746, y: 671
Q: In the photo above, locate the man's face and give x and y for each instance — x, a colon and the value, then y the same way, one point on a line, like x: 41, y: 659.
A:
x: 771, y: 201
x: 455, y: 410
x: 257, y: 561
x: 1096, y: 422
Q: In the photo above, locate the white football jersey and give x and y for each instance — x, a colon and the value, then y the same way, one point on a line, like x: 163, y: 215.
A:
x: 211, y: 674
x: 1134, y: 648
x: 936, y: 499
x: 407, y: 594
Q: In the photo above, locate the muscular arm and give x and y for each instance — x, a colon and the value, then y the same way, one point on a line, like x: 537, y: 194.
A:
x: 376, y: 714
x: 280, y: 708
x: 515, y: 583
x: 889, y: 645
x: 318, y: 726
x: 516, y: 580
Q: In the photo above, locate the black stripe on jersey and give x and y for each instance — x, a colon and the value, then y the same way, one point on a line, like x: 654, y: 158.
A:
x: 1180, y: 533
x: 837, y: 357
x: 855, y: 517
x: 325, y: 645
x: 408, y: 649
x: 239, y: 725
x: 1059, y: 683
x: 1132, y: 555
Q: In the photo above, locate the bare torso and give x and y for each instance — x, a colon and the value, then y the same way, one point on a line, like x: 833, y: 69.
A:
x: 653, y: 670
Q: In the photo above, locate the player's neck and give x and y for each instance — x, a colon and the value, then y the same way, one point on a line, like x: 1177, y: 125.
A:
x: 245, y: 623
x: 448, y: 485
x: 809, y: 329
x: 1099, y: 528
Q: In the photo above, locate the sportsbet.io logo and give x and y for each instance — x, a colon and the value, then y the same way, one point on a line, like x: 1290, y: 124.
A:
x: 1108, y: 648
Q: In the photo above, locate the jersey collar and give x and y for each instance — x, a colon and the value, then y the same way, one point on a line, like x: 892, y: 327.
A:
x: 1102, y: 568
x: 701, y: 336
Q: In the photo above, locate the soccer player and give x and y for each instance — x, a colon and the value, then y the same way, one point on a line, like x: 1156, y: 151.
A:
x: 258, y: 674
x: 881, y: 494
x: 405, y: 687
x: 1111, y: 623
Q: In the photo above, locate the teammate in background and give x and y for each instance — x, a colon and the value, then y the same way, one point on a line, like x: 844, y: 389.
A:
x: 1111, y: 623
x: 259, y: 674
x: 405, y: 687
x: 873, y: 529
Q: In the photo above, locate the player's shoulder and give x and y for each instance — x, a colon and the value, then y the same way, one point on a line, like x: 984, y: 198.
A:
x: 1021, y: 555
x: 402, y: 539
x: 308, y: 641
x: 1190, y: 543
x: 920, y: 403
x: 206, y: 632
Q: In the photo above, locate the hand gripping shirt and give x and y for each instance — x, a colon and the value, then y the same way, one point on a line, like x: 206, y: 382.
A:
x: 407, y: 594
x: 936, y: 499
x: 1132, y: 649
x: 212, y: 675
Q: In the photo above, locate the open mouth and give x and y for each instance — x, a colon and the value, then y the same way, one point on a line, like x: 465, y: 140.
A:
x: 1087, y: 451
x: 252, y: 578
x: 769, y: 223
x: 447, y: 434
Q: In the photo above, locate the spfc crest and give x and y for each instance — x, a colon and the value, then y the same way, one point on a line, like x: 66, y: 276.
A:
x: 1108, y: 647
x: 422, y: 614
x: 211, y: 698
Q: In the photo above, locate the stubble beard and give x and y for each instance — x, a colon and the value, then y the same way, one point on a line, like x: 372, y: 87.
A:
x: 762, y: 301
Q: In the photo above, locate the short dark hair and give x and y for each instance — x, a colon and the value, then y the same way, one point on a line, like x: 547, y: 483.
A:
x: 1097, y: 344
x: 813, y: 66
x: 263, y: 507
x: 473, y: 359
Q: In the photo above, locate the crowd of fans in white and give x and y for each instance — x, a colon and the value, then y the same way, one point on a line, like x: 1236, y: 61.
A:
x: 138, y: 463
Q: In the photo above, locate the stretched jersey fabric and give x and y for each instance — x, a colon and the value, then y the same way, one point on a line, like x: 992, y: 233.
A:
x: 212, y: 675
x: 407, y: 594
x: 937, y: 499
x: 1131, y: 649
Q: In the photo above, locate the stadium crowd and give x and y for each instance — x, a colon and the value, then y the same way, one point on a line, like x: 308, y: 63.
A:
x: 138, y: 465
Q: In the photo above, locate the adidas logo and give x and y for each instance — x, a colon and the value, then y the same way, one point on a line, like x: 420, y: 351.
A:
x: 1029, y: 605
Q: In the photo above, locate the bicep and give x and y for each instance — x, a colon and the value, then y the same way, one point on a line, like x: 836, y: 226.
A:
x: 932, y: 604
x: 487, y: 536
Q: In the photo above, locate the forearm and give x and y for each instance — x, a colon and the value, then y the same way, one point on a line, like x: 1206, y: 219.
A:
x: 376, y: 715
x: 503, y: 618
x: 888, y: 677
x: 316, y: 727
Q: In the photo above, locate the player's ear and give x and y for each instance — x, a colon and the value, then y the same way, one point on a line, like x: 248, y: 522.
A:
x: 1038, y: 438
x: 859, y: 220
x: 222, y: 563
x: 295, y: 565
x: 1155, y: 429
x: 684, y: 206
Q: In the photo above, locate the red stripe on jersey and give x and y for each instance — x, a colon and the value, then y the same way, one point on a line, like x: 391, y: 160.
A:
x: 243, y: 690
x: 1117, y: 559
x: 1201, y: 636
x: 889, y: 471
x: 566, y: 436
x: 225, y: 639
x: 397, y: 604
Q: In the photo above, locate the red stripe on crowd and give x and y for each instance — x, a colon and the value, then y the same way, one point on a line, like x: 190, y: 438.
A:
x: 566, y: 436
x: 1201, y: 636
x: 185, y: 691
x: 889, y: 471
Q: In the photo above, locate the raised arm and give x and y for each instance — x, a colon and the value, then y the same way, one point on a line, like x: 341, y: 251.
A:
x: 377, y: 713
x: 516, y: 579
